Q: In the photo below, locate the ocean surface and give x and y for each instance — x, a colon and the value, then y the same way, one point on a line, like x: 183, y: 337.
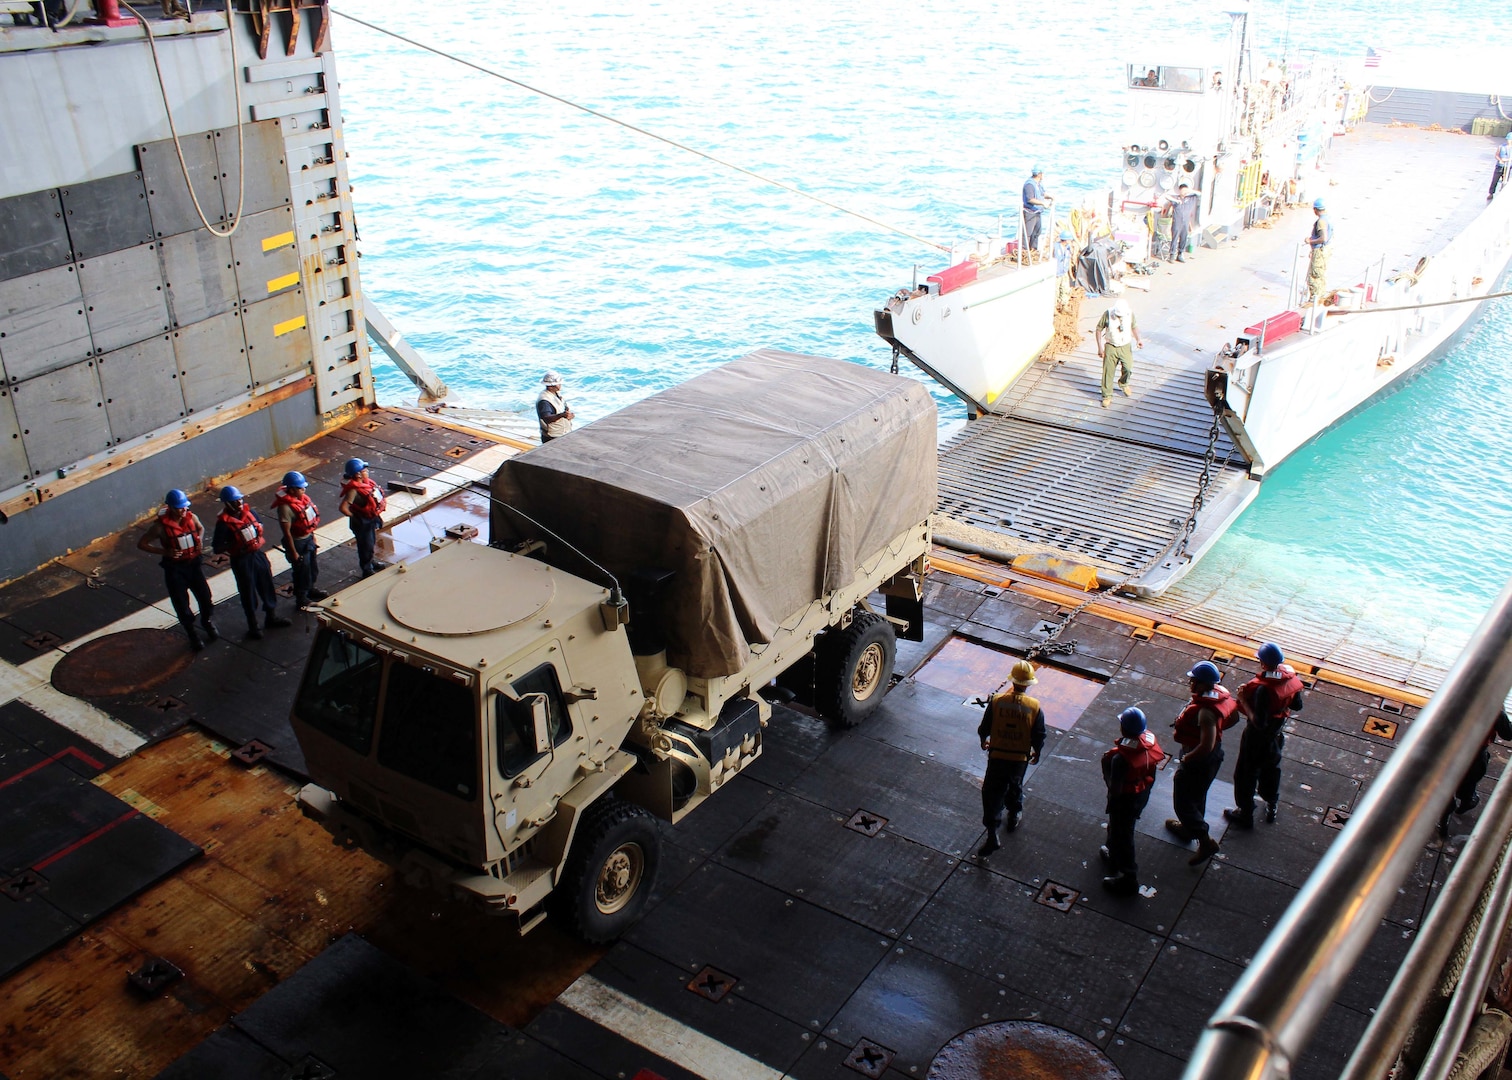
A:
x: 506, y: 233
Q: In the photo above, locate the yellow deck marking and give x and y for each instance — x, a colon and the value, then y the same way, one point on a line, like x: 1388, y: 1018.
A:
x: 296, y: 323
x: 274, y: 284
x: 283, y: 239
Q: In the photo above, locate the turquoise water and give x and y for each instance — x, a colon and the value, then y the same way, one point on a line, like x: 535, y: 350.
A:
x: 505, y: 233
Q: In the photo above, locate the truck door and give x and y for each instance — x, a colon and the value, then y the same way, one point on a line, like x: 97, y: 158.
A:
x: 528, y: 780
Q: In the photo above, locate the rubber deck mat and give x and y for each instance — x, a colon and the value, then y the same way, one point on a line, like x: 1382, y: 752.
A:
x: 353, y: 1011
x: 69, y: 851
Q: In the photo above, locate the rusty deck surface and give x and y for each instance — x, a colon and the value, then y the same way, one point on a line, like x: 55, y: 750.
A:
x: 824, y: 916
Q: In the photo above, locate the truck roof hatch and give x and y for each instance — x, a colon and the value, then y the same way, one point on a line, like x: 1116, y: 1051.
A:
x: 460, y: 595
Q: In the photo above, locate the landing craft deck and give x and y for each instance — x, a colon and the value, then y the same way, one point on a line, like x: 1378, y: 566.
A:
x: 1112, y: 486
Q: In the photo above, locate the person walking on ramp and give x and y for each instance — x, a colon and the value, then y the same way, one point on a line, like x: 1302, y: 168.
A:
x: 1117, y: 334
x: 1012, y: 732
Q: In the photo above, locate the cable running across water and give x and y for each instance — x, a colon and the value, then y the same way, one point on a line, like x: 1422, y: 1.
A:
x: 642, y: 131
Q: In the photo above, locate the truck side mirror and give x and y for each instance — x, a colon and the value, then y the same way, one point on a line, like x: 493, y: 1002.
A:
x: 540, y: 721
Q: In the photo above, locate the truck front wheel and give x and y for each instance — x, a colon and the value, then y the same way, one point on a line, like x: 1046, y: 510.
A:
x: 611, y: 870
x: 854, y: 666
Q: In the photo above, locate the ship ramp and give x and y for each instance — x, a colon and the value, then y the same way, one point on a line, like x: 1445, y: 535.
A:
x: 1112, y: 488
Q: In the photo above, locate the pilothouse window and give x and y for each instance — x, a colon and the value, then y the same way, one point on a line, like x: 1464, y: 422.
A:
x: 428, y: 730
x: 515, y: 737
x: 1181, y: 80
x: 339, y: 695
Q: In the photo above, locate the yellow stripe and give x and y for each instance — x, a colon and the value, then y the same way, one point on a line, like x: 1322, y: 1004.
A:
x: 296, y: 323
x: 283, y: 239
x: 274, y: 284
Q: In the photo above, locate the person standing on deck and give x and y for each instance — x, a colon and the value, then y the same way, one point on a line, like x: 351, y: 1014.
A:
x: 178, y: 537
x: 1117, y: 334
x: 1466, y: 798
x: 1183, y: 215
x: 363, y: 504
x: 1129, y: 771
x: 239, y: 534
x: 1012, y: 732
x: 1199, y: 730
x: 1503, y: 165
x: 552, y: 410
x: 1064, y: 257
x: 1036, y: 202
x: 1266, y: 701
x: 298, y: 517
x: 1317, y: 263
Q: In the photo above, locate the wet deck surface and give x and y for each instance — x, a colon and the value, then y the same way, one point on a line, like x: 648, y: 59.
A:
x: 780, y: 941
x: 1057, y: 468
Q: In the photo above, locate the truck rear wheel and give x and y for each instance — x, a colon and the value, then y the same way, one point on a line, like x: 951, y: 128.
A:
x: 611, y: 870
x: 854, y: 666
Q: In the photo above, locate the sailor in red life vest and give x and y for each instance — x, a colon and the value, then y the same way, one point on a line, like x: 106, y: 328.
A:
x: 1012, y: 732
x: 1199, y: 731
x: 1129, y: 771
x: 239, y: 534
x: 1466, y: 798
x: 298, y: 517
x: 177, y: 536
x: 363, y: 504
x: 1266, y: 701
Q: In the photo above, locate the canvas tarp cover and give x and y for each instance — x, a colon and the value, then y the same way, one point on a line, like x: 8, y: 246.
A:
x: 761, y: 484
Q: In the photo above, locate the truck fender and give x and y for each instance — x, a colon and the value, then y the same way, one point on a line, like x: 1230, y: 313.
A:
x: 554, y: 840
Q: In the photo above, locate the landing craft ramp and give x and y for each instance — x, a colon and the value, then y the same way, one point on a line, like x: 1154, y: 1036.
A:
x: 1112, y: 487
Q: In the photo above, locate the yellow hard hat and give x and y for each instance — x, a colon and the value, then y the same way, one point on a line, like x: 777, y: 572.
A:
x: 1023, y: 673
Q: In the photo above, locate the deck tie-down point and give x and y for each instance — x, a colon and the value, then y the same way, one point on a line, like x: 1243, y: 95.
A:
x: 252, y: 752
x: 866, y: 823
x: 1057, y: 896
x: 712, y: 984
x: 311, y: 1068
x: 154, y: 974
x: 869, y: 1059
x: 26, y: 883
x: 1375, y: 725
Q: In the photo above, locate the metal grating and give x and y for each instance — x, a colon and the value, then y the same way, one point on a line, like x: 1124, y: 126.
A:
x: 1114, y: 502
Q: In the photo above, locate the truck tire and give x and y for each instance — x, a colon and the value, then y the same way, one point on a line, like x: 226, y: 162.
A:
x: 611, y: 870
x: 853, y: 669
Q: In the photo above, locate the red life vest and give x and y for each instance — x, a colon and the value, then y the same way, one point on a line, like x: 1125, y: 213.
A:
x: 367, y: 499
x: 1189, y: 731
x: 181, y: 537
x: 306, y: 513
x: 246, y: 531
x: 1142, y: 760
x: 1270, y: 709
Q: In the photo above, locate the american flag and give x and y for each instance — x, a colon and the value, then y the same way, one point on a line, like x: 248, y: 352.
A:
x: 1373, y: 58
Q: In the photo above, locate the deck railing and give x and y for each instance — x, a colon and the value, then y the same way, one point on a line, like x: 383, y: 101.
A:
x: 1265, y: 1023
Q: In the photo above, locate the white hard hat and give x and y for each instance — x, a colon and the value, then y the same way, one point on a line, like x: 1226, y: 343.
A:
x: 1120, y: 307
x: 552, y: 378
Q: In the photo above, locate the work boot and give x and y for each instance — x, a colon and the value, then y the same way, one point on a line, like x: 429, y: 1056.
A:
x: 254, y: 632
x: 1467, y: 805
x: 1014, y: 819
x: 318, y: 594
x: 1124, y: 884
x: 1125, y: 388
x: 1207, y: 847
x: 1270, y: 813
x: 1174, y: 825
x: 1105, y: 855
x: 1443, y: 827
x: 194, y: 639
x: 1243, y: 819
x: 275, y: 622
x: 991, y: 844
x: 1107, y: 403
x: 211, y: 633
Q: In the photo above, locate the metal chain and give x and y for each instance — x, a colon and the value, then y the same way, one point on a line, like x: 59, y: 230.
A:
x: 1204, y: 481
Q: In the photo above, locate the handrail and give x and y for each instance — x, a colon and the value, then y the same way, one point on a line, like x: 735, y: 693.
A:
x: 1265, y: 1022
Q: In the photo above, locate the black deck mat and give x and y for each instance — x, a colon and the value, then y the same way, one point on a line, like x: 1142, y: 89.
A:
x: 25, y: 726
x: 69, y: 852
x: 361, y: 1013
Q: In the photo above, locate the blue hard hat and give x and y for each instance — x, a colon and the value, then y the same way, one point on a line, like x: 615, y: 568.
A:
x: 1318, y: 204
x: 1205, y: 672
x: 1067, y: 234
x: 294, y: 479
x: 1036, y: 171
x: 229, y: 494
x: 176, y: 499
x: 1270, y: 655
x: 1132, y: 723
x: 353, y: 467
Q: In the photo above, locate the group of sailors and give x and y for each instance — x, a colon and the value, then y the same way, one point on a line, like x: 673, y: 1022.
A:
x: 178, y: 536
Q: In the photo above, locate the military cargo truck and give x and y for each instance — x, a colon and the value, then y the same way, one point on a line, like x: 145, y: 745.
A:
x: 506, y: 722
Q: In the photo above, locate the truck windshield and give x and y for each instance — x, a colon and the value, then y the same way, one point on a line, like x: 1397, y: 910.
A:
x: 428, y: 731
x: 339, y: 695
x: 515, y: 738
